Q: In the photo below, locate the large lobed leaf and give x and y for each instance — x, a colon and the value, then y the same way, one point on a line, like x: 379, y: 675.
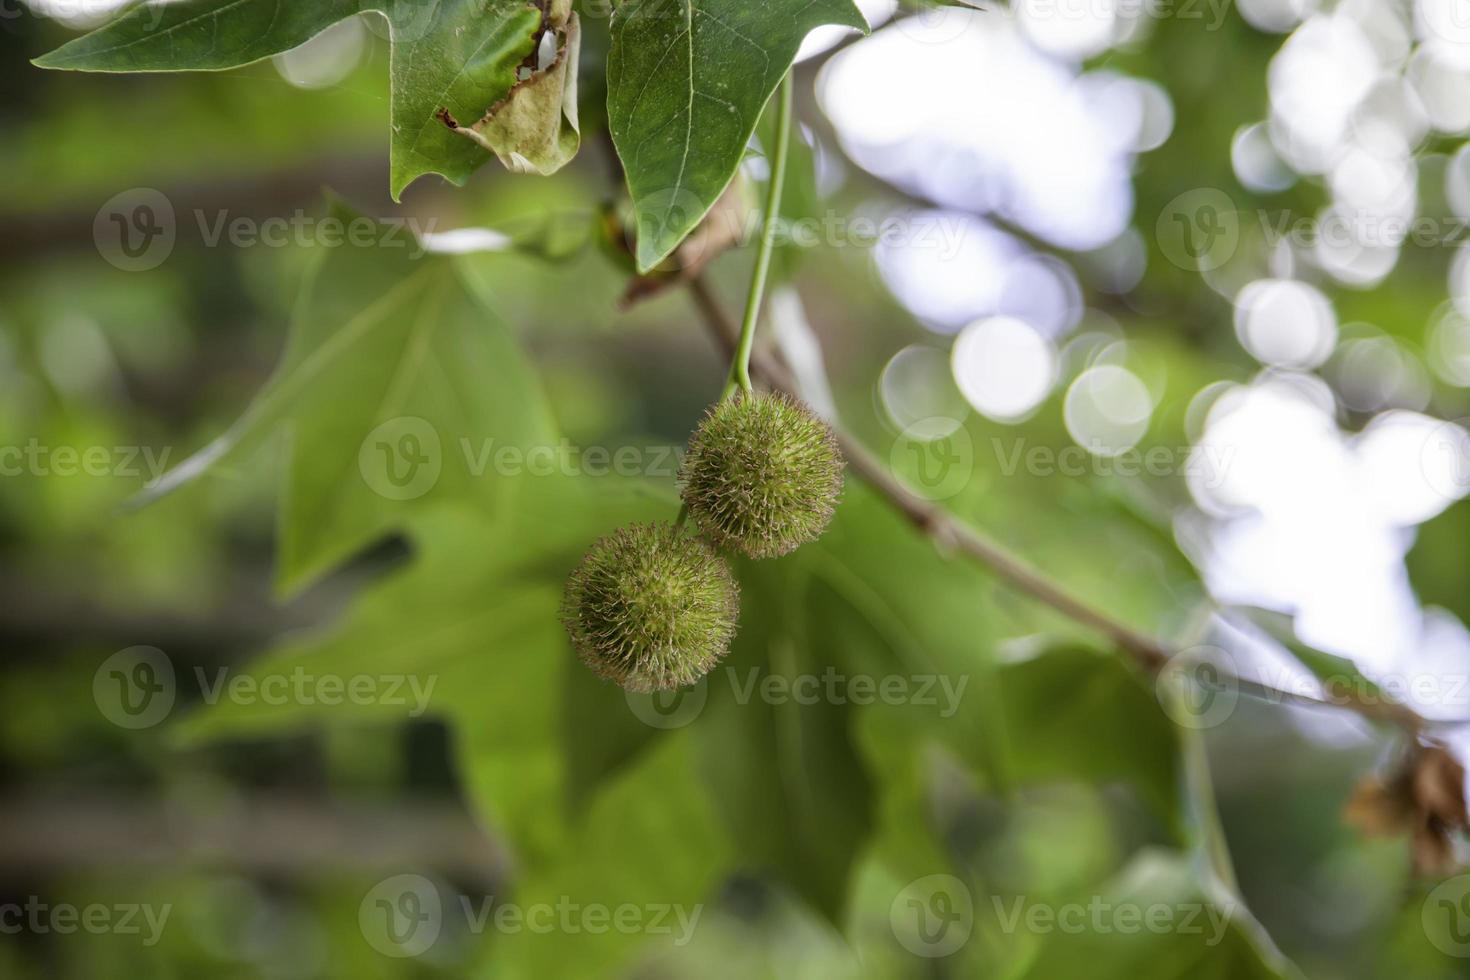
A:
x: 451, y: 59
x: 687, y: 80
x: 471, y: 625
x: 396, y: 388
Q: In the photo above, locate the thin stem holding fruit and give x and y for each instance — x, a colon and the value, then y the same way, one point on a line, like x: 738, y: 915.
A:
x: 740, y: 366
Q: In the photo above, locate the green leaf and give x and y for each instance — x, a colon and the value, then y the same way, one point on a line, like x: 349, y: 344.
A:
x: 601, y: 733
x: 456, y: 627
x: 198, y: 34
x: 462, y: 64
x: 1074, y: 712
x: 1437, y: 566
x: 937, y: 619
x: 535, y: 129
x: 1204, y: 934
x: 396, y: 389
x: 687, y: 80
x: 472, y: 621
x: 784, y: 770
x: 456, y: 57
x: 650, y: 840
x: 789, y: 772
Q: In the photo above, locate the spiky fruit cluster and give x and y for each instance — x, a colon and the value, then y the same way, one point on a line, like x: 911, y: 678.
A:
x: 651, y: 608
x: 762, y: 475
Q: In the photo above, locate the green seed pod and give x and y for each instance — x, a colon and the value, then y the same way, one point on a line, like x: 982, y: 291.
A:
x: 762, y: 475
x: 651, y: 608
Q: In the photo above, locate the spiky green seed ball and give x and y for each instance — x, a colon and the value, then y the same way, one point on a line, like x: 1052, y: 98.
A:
x: 651, y: 608
x: 762, y: 475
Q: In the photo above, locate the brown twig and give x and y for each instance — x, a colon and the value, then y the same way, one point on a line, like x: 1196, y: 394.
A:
x: 952, y: 535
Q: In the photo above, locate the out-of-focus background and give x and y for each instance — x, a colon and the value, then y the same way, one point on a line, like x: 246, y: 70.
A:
x: 1166, y: 295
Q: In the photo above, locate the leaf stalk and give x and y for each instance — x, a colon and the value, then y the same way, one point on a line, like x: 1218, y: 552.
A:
x: 740, y: 364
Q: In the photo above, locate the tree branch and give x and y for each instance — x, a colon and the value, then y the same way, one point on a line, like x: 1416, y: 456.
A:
x: 952, y: 535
